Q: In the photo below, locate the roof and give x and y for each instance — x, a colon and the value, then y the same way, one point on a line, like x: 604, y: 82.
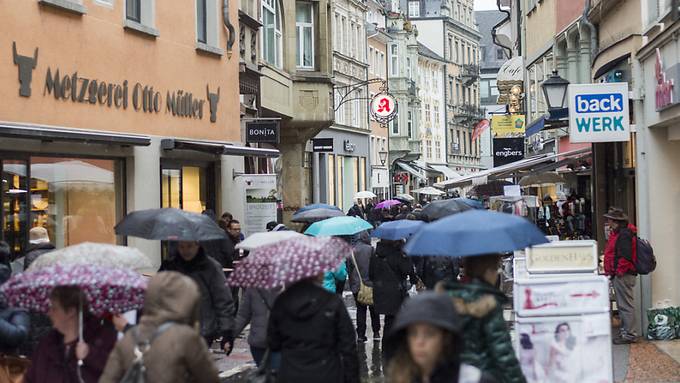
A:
x: 486, y: 20
x: 427, y: 52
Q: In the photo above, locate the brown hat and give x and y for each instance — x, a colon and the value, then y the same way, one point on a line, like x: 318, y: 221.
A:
x: 616, y: 214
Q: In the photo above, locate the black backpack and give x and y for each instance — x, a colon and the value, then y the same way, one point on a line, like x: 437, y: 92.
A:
x: 646, y: 261
x: 137, y: 372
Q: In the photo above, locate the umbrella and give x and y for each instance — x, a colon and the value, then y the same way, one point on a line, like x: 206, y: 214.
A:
x: 317, y: 206
x: 289, y: 261
x: 314, y: 215
x: 404, y: 198
x: 442, y: 208
x: 338, y: 226
x: 473, y: 203
x: 107, y: 290
x: 545, y: 179
x: 267, y: 238
x: 429, y: 190
x: 98, y: 254
x: 170, y: 224
x: 364, y: 194
x: 396, y: 230
x: 475, y: 232
x: 387, y: 204
x: 490, y: 189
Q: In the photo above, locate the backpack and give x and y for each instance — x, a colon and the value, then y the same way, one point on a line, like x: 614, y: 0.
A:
x: 137, y: 372
x: 646, y: 261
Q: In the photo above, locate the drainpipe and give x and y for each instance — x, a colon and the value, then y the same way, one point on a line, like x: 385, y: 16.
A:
x: 493, y: 30
x: 227, y: 25
x: 593, y: 32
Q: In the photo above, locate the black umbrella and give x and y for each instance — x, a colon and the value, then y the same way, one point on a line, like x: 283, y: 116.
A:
x: 442, y: 208
x: 170, y: 224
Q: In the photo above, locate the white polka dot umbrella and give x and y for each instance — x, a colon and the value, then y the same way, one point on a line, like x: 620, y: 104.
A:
x: 289, y: 261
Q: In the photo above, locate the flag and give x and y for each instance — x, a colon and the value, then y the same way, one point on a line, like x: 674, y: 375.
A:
x: 481, y: 126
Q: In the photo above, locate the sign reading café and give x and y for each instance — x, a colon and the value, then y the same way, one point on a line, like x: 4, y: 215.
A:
x: 79, y: 88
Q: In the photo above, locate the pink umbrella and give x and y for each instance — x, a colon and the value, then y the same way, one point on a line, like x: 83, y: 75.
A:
x: 107, y: 290
x: 387, y: 204
x: 289, y: 261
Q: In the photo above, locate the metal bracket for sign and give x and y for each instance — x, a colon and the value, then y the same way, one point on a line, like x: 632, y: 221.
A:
x: 349, y: 89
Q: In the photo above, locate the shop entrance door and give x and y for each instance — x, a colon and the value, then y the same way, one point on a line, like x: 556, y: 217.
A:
x: 14, y: 199
x: 187, y: 186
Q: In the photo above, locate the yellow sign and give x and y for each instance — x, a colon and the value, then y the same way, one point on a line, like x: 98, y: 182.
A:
x: 567, y: 256
x: 508, y: 126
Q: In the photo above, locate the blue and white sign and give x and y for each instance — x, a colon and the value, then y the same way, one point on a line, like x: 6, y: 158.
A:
x: 598, y: 112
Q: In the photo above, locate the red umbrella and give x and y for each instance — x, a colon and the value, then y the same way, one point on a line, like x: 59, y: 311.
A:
x: 289, y: 261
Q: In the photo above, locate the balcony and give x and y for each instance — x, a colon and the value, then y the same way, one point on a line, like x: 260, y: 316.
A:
x: 469, y: 73
x: 468, y: 113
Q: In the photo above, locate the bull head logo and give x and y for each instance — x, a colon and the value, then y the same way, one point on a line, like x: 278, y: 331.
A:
x: 213, y: 98
x: 26, y: 65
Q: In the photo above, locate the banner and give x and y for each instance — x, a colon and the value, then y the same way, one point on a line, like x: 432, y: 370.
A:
x: 508, y: 126
x: 507, y: 150
x: 480, y: 127
x: 261, y: 197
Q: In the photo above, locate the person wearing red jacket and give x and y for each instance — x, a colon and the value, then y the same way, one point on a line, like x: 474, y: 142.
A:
x: 619, y: 264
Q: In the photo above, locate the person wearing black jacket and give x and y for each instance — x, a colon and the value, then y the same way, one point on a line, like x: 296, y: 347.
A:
x: 14, y: 323
x: 314, y: 333
x: 217, y: 305
x: 388, y: 271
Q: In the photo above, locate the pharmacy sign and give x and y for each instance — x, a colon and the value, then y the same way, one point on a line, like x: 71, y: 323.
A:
x: 598, y: 112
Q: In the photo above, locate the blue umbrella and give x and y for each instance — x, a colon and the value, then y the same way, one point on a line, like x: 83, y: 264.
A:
x: 316, y: 206
x: 473, y: 203
x: 475, y: 232
x: 344, y: 225
x: 396, y: 230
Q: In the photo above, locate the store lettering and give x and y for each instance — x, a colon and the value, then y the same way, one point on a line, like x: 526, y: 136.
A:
x: 508, y: 152
x: 600, y: 124
x: 664, y: 85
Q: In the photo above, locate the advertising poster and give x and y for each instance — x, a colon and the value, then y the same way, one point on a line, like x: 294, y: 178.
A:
x: 261, y: 196
x: 571, y: 349
x: 563, y: 257
x: 561, y: 296
x: 508, y: 126
x: 507, y: 150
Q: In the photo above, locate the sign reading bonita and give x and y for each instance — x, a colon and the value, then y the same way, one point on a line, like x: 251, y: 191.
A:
x: 598, y: 112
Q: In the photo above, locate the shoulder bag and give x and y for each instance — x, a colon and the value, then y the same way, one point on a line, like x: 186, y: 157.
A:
x: 365, y: 295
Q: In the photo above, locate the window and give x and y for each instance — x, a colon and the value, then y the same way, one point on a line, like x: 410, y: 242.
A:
x: 458, y: 93
x: 331, y: 179
x: 414, y: 8
x: 133, y: 10
x: 371, y: 60
x: 201, y: 21
x: 484, y: 89
x: 457, y: 53
x: 438, y: 149
x: 409, y: 124
x: 305, y: 34
x: 494, y: 88
x: 499, y: 54
x: 408, y: 68
x: 469, y: 58
x: 383, y: 70
x: 428, y: 116
x: 338, y: 32
x: 271, y: 17
x: 343, y: 49
x: 394, y: 60
x: 353, y: 39
x: 450, y: 48
x: 395, y: 125
x: 474, y: 55
x: 436, y: 113
x: 428, y: 148
x: 451, y: 94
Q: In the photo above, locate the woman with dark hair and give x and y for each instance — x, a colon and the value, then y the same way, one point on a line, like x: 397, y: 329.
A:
x: 561, y: 349
x: 487, y: 340
x: 56, y: 358
x: 425, y: 344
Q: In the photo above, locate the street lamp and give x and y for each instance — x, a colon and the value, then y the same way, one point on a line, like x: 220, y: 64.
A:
x: 555, y: 91
x: 383, y: 157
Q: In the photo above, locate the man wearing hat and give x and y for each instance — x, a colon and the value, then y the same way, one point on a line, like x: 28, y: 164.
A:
x: 40, y: 244
x: 619, y: 265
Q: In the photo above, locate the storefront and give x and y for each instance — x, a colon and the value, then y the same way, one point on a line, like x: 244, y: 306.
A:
x: 341, y: 167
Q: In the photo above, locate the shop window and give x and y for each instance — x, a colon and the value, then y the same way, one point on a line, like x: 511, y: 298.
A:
x: 339, y: 178
x: 186, y: 188
x: 331, y: 179
x: 362, y: 173
x: 272, y: 36
x: 305, y: 35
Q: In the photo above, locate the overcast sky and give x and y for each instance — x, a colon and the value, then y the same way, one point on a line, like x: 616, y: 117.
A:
x: 485, y: 5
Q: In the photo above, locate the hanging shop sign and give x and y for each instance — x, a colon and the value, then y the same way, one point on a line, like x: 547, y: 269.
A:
x: 598, y: 112
x: 400, y: 178
x: 144, y: 98
x: 383, y: 107
x: 262, y: 132
x: 508, y: 126
x: 664, y: 86
x: 322, y: 144
x: 563, y: 257
x: 507, y: 150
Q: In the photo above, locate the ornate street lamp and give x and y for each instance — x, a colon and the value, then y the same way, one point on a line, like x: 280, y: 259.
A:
x: 555, y: 91
x: 383, y: 157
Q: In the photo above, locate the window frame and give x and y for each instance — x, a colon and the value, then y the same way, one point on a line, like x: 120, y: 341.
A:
x: 276, y: 30
x: 394, y: 60
x: 137, y: 8
x: 203, y: 22
x: 413, y: 6
x: 300, y: 26
x: 409, y: 124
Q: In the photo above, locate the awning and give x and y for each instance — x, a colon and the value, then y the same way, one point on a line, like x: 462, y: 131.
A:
x: 536, y: 126
x: 217, y: 148
x: 610, y: 65
x: 411, y: 170
x: 448, y: 172
x: 50, y: 133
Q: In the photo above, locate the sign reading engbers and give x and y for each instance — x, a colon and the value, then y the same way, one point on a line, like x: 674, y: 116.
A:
x: 383, y: 107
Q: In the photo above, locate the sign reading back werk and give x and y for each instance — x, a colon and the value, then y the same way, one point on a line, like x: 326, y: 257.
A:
x: 78, y: 88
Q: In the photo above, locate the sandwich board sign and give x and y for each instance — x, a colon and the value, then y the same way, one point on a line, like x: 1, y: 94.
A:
x: 599, y: 112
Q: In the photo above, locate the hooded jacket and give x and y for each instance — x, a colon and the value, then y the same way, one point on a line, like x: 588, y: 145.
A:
x: 315, y: 335
x: 486, y: 337
x: 177, y: 355
x: 621, y: 244
x: 363, y: 251
x: 254, y: 309
x: 217, y: 307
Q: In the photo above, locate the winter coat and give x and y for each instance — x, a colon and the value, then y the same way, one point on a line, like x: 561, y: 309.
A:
x: 217, y: 306
x: 14, y: 328
x: 177, y: 355
x: 487, y: 340
x: 356, y: 211
x: 363, y: 251
x: 221, y: 250
x: 51, y: 363
x: 254, y: 309
x: 387, y: 271
x: 36, y: 251
x: 330, y: 277
x: 621, y: 245
x: 434, y: 269
x: 315, y: 335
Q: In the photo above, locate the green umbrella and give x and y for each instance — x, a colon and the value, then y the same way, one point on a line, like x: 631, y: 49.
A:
x: 338, y: 226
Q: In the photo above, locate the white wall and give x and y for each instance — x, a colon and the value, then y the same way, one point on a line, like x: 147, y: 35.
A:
x: 431, y: 34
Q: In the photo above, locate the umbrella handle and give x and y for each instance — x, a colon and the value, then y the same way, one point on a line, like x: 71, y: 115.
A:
x: 80, y: 338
